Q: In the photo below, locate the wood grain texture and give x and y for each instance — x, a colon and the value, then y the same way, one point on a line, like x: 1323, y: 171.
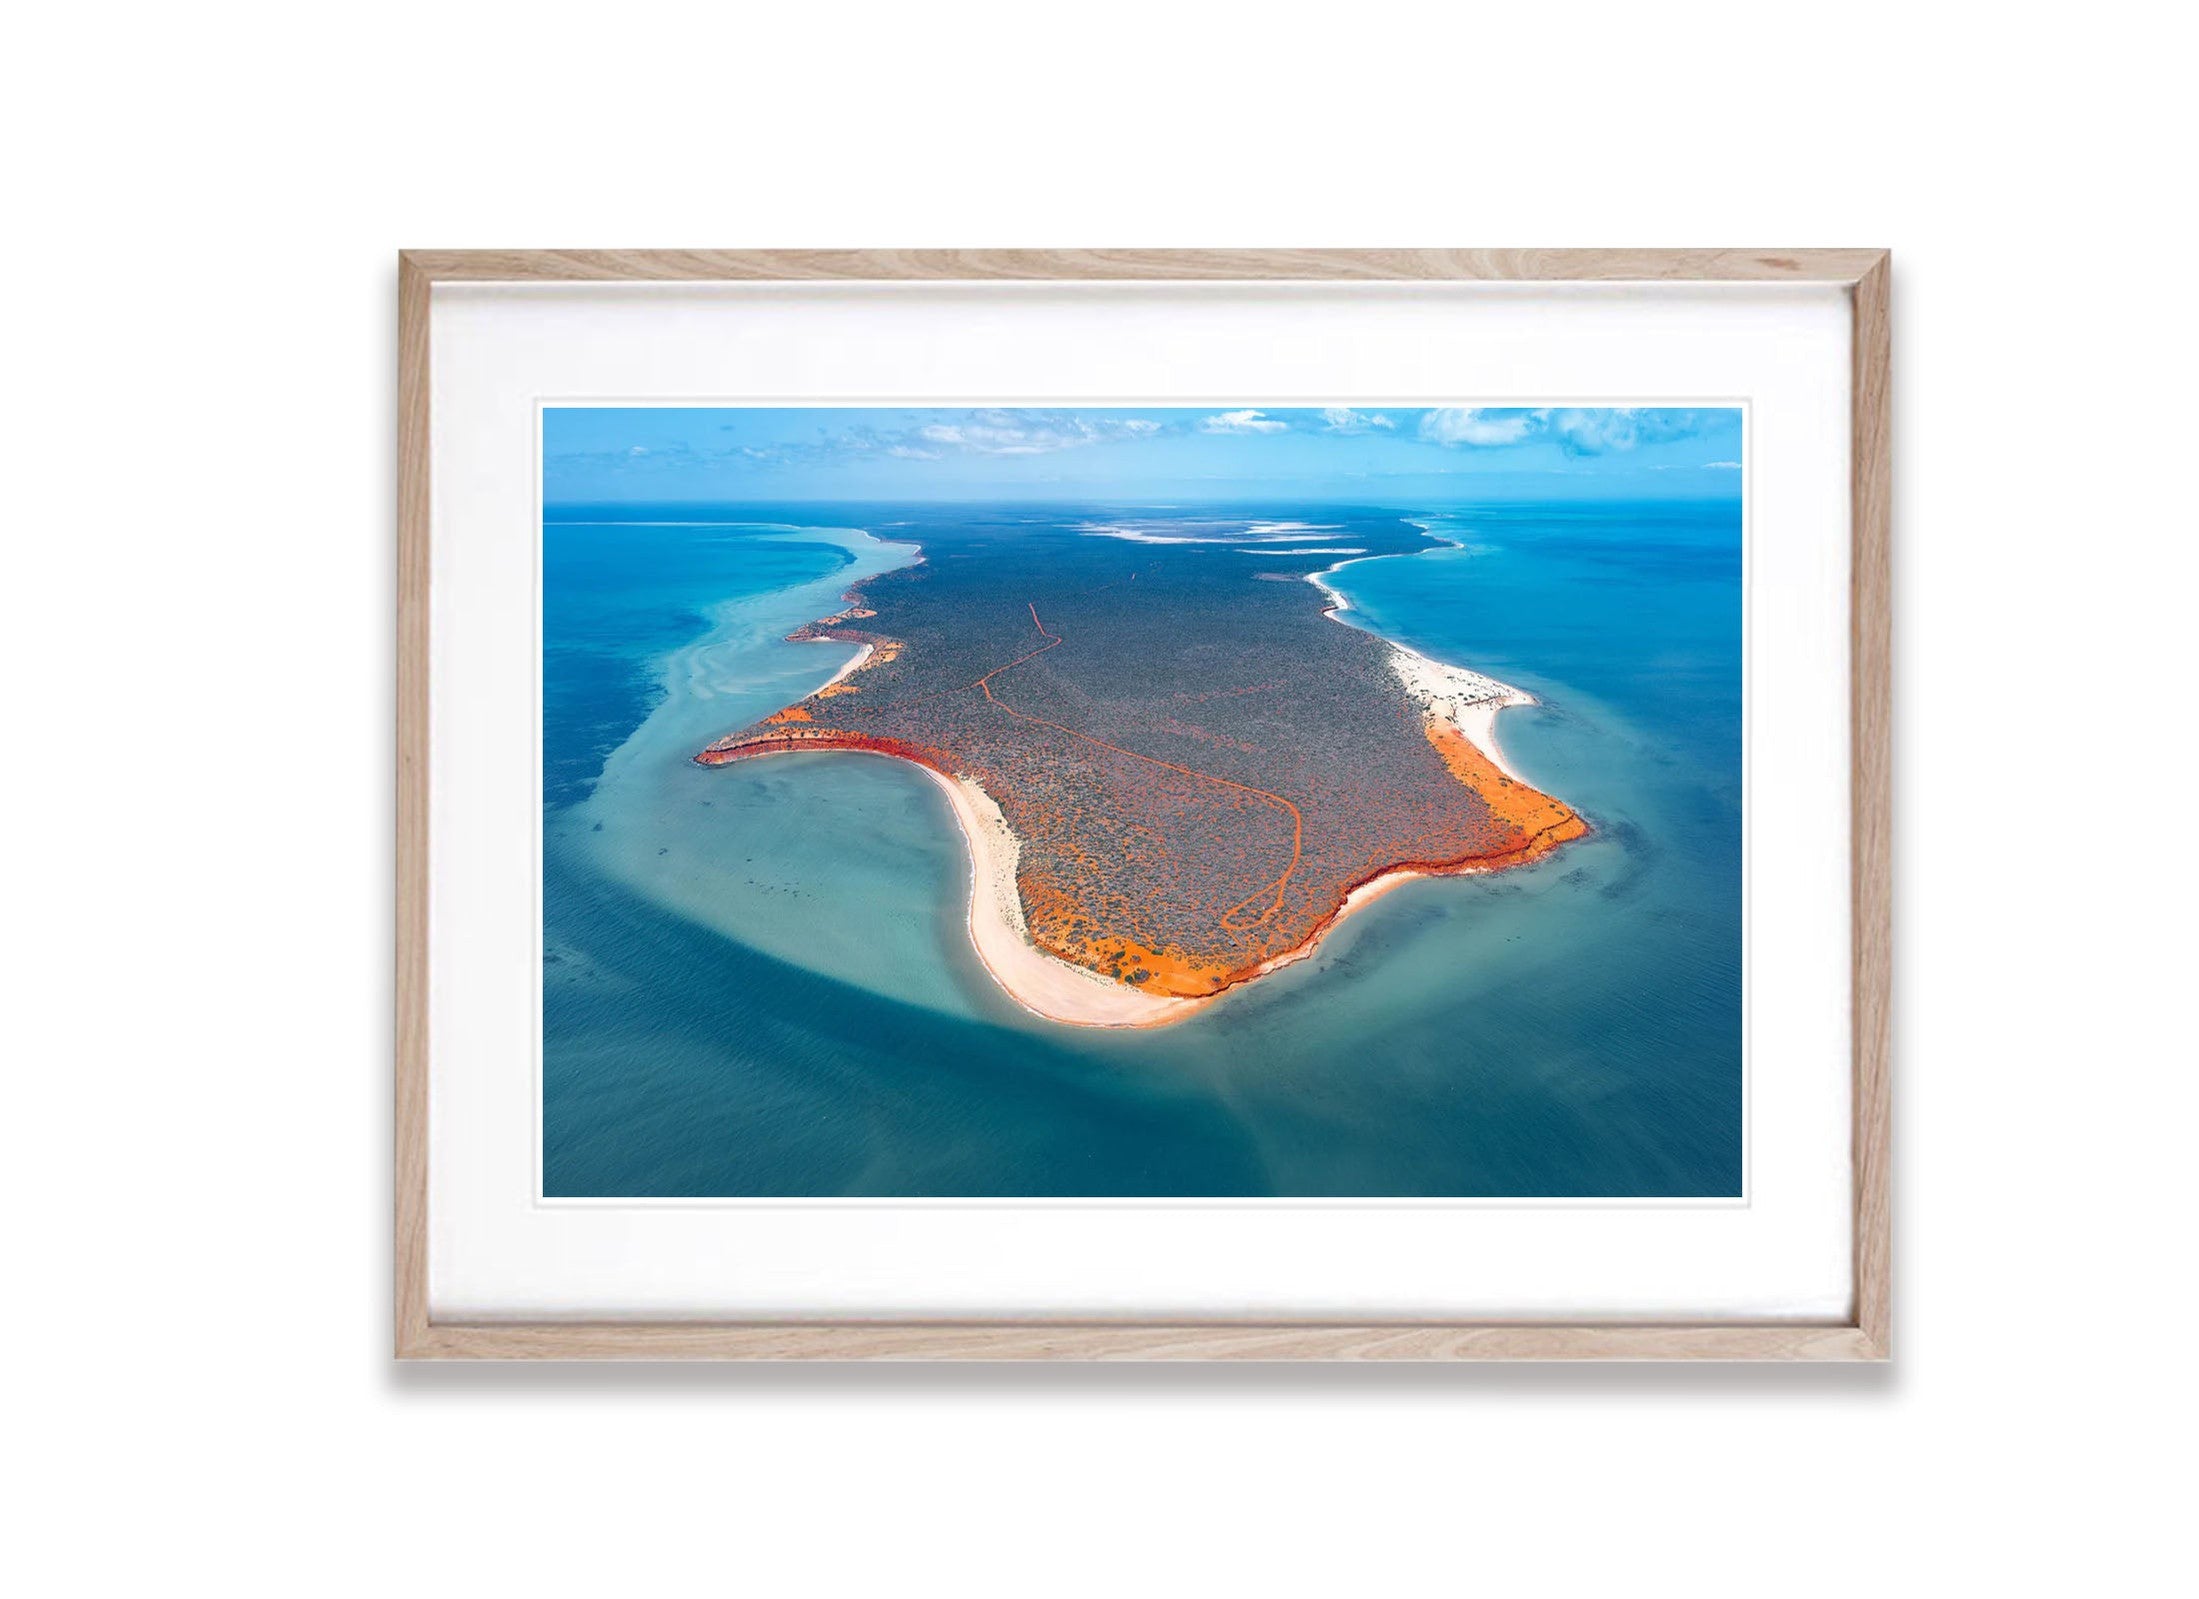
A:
x: 1865, y: 1337
x: 1178, y: 266
x: 1119, y: 1341
x: 413, y: 511
x: 1870, y: 624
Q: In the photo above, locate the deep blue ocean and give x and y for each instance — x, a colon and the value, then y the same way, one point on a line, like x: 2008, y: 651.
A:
x: 757, y: 982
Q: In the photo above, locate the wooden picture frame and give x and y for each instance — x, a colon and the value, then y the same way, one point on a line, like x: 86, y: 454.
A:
x: 1862, y: 1336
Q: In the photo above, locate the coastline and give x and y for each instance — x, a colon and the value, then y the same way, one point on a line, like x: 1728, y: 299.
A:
x: 1452, y: 699
x: 1047, y: 986
x: 1466, y: 699
x: 854, y: 663
x: 1061, y: 991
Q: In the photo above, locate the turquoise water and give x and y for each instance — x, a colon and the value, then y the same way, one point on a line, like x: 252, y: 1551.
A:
x: 757, y: 982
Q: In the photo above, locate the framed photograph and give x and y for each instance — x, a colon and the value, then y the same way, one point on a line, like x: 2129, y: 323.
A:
x: 1253, y: 804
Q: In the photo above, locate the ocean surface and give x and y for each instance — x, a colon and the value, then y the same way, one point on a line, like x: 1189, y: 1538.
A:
x: 756, y: 980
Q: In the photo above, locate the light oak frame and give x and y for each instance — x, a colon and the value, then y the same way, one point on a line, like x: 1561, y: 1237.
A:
x: 1863, y: 1336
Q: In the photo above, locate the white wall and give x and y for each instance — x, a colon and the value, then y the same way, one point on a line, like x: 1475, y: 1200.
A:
x: 197, y: 632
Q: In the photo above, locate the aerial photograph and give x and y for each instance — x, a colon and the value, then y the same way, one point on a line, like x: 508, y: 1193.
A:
x: 1256, y: 802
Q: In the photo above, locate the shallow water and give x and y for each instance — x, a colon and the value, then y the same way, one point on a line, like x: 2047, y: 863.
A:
x: 757, y: 981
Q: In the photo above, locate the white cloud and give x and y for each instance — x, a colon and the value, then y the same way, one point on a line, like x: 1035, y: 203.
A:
x: 1476, y: 425
x: 1001, y: 432
x: 1243, y: 422
x: 1721, y: 466
x: 1343, y: 419
x: 1593, y: 432
x: 909, y: 452
x: 1575, y: 430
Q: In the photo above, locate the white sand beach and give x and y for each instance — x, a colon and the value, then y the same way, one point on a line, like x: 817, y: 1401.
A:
x: 1041, y: 984
x: 1055, y: 989
x: 855, y: 663
x: 1467, y: 700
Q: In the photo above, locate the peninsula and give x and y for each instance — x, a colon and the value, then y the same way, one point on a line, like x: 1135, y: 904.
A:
x: 1173, y: 767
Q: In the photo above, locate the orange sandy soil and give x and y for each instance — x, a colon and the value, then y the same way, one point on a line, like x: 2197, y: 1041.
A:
x: 1524, y: 824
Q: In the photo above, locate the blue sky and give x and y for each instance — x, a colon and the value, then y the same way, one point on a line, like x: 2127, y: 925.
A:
x: 1367, y: 455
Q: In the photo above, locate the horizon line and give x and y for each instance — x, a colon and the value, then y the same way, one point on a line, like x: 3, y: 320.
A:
x: 1171, y: 503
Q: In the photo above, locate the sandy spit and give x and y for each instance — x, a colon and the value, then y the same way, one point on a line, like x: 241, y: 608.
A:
x: 1040, y: 983
x: 1467, y: 700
